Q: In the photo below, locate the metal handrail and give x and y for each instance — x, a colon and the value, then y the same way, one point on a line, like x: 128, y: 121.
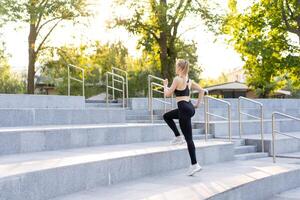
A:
x: 151, y: 84
x: 113, y: 69
x: 75, y: 79
x: 261, y: 118
x: 207, y: 114
x: 122, y: 90
x: 274, y: 131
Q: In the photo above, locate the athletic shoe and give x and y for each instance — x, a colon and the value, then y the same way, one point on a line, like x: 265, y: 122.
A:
x: 178, y: 140
x: 194, y: 169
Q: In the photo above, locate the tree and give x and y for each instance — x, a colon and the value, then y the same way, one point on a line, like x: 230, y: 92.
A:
x: 95, y: 58
x: 157, y: 23
x: 10, y: 83
x: 261, y: 37
x: 290, y: 15
x: 42, y: 16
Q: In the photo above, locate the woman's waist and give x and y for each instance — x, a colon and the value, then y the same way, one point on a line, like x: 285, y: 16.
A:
x: 184, y: 101
x: 184, y: 98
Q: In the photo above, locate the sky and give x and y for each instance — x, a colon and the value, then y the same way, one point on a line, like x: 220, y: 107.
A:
x: 215, y: 57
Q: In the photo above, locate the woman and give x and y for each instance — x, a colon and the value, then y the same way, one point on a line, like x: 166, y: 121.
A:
x: 181, y: 86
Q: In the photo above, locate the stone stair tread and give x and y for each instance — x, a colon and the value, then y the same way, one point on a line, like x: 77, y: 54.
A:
x: 247, y: 156
x: 74, y: 126
x: 212, y: 180
x: 23, y: 163
x: 288, y: 195
x: 245, y: 149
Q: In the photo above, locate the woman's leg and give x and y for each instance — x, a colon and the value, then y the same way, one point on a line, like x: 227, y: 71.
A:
x: 168, y: 117
x: 186, y: 128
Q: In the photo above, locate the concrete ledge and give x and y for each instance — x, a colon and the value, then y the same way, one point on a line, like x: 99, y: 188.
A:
x: 249, y: 180
x: 49, y: 138
x: 40, y: 101
x: 51, y: 174
x: 32, y: 117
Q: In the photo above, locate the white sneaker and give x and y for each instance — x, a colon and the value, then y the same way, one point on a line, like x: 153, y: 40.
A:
x: 178, y: 140
x: 194, y: 169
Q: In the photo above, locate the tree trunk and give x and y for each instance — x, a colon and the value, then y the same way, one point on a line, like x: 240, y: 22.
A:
x: 31, y: 59
x: 164, y: 55
x: 163, y: 41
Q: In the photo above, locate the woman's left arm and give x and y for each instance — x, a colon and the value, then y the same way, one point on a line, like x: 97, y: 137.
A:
x: 197, y: 87
x: 169, y: 91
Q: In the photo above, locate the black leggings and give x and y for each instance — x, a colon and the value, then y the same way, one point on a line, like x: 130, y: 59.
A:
x: 184, y: 113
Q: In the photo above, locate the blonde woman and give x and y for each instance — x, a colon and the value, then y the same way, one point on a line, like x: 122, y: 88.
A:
x: 181, y: 87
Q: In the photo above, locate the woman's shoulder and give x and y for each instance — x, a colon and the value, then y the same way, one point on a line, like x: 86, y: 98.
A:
x: 177, y: 78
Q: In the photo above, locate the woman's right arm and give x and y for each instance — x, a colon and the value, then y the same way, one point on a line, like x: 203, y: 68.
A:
x: 201, y: 91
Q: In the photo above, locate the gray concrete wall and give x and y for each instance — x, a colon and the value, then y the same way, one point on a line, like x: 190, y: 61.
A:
x: 41, y: 101
x: 53, y: 182
x: 33, y: 117
x: 16, y: 141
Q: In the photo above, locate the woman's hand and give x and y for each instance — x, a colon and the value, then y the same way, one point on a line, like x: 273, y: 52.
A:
x: 196, y: 105
x: 165, y: 82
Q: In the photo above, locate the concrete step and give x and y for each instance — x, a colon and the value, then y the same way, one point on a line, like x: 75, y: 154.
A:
x: 293, y: 194
x: 239, y: 180
x: 283, y: 143
x: 157, y: 121
x: 250, y: 127
x: 50, y: 138
x: 245, y: 149
x: 142, y: 117
x: 100, y: 101
x: 103, y: 105
x: 47, y: 175
x: 202, y: 137
x: 138, y: 112
x: 52, y: 116
x: 40, y: 101
x: 239, y: 142
x: 249, y: 156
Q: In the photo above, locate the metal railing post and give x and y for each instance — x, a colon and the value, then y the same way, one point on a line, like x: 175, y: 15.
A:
x: 208, y: 114
x: 151, y: 104
x: 274, y: 131
x: 205, y: 118
x: 122, y: 81
x: 75, y: 79
x: 149, y: 93
x: 273, y: 138
x: 229, y: 122
x: 123, y: 88
x: 240, y: 118
x: 262, y: 128
x: 83, y: 89
x: 113, y: 85
x: 127, y: 93
x: 69, y: 82
x: 125, y: 82
x: 260, y: 118
x: 106, y: 89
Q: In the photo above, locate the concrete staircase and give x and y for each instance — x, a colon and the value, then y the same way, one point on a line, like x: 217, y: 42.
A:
x: 77, y: 149
x: 67, y: 150
x: 256, y: 179
x: 246, y: 152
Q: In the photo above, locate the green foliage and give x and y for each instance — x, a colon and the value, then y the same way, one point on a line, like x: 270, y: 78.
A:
x: 43, y: 17
x: 10, y: 83
x: 209, y: 81
x: 157, y: 24
x: 260, y: 36
x: 96, y: 59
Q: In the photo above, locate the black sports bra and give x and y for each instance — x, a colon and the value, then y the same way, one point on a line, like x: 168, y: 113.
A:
x: 183, y: 93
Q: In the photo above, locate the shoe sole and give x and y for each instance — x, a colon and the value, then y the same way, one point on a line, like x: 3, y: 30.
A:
x: 178, y: 143
x: 194, y: 172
